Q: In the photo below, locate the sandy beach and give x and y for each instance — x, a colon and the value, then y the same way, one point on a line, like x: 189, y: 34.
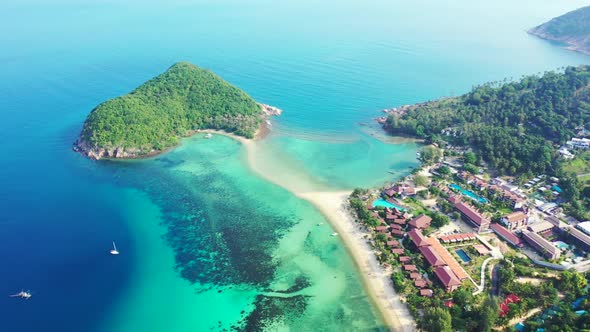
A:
x: 332, y: 204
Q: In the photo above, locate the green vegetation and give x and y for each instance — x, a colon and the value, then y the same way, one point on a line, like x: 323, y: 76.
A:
x: 514, y: 126
x: 155, y: 115
x: 572, y: 28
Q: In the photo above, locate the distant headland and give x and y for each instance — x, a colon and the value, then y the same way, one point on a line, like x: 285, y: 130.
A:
x: 572, y: 29
x: 175, y: 104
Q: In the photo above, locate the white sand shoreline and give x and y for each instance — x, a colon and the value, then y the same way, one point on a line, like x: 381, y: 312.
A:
x: 333, y: 206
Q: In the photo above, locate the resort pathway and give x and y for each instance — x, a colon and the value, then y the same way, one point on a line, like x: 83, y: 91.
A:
x: 483, y: 276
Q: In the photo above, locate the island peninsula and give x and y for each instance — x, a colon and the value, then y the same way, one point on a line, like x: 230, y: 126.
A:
x: 175, y: 104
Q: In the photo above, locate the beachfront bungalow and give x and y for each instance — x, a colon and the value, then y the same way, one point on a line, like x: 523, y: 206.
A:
x: 417, y: 238
x: 400, y: 222
x: 393, y: 243
x: 470, y: 214
x: 415, y: 276
x: 397, y: 251
x: 421, y: 222
x: 395, y: 226
x: 426, y: 292
x: 381, y: 229
x: 431, y: 256
x: 397, y: 233
x: 507, y: 235
x: 410, y: 268
x: 447, y: 278
x: 405, y: 259
x: 515, y: 220
x: 420, y: 283
x: 546, y: 248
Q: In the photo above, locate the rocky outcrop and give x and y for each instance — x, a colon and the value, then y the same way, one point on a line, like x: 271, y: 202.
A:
x: 97, y: 153
x: 578, y: 44
x: 271, y: 110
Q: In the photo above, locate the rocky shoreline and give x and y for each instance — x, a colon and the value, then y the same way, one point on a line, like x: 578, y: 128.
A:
x: 572, y: 44
x: 96, y: 153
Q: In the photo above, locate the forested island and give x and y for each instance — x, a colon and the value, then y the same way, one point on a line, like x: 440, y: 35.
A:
x: 158, y: 113
x: 572, y: 29
x: 516, y: 127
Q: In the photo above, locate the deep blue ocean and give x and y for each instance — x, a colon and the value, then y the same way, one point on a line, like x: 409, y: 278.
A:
x: 329, y: 65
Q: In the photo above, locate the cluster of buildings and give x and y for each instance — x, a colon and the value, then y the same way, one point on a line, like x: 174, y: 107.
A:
x: 498, y: 187
x: 573, y: 144
x: 469, y: 213
x: 446, y: 268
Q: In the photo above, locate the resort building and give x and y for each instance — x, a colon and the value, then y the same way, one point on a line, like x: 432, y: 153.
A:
x: 450, y: 261
x: 506, y: 235
x: 426, y: 292
x: 470, y: 214
x: 417, y: 238
x: 460, y: 237
x: 397, y: 251
x: 432, y: 256
x: 541, y: 227
x: 515, y: 220
x: 578, y: 143
x: 420, y: 222
x: 446, y: 276
x: 403, y: 190
x: 415, y: 276
x: 546, y: 248
x: 580, y: 239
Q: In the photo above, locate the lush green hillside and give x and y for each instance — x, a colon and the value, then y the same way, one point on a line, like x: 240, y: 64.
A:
x: 515, y: 126
x: 155, y: 115
x: 572, y: 29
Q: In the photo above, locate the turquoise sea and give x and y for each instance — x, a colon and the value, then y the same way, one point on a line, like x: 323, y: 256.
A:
x: 206, y: 244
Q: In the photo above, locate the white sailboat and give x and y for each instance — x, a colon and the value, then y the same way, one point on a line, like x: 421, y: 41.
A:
x: 114, y: 251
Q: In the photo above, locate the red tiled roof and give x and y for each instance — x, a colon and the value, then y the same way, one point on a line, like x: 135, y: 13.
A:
x: 410, y: 268
x: 431, y: 256
x: 448, y: 258
x: 516, y: 216
x: 426, y: 292
x: 417, y: 237
x: 506, y: 235
x: 381, y: 228
x: 405, y: 259
x: 396, y: 226
x: 446, y: 276
x: 472, y: 213
x: 397, y: 232
x: 393, y: 243
x: 420, y: 283
x: 400, y: 221
x: 421, y: 222
x: 415, y: 275
x: 398, y: 251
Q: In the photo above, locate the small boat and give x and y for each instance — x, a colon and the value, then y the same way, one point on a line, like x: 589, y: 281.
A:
x: 114, y: 251
x: 208, y: 135
x: 321, y: 223
x: 334, y: 234
x: 23, y: 295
